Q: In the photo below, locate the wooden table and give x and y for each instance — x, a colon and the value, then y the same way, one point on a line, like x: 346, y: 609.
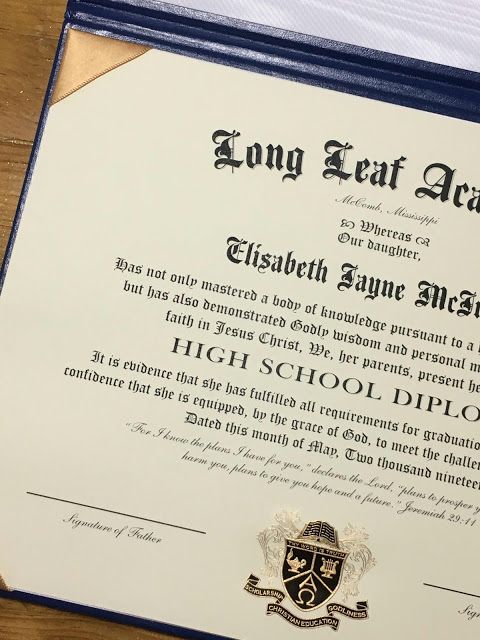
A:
x: 29, y: 31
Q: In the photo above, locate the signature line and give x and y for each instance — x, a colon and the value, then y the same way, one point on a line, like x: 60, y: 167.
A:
x: 463, y: 593
x: 118, y: 513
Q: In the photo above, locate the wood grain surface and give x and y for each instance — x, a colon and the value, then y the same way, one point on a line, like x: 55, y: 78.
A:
x: 29, y: 32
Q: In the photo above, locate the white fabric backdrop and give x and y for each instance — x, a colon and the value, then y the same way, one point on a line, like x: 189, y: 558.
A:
x: 443, y: 31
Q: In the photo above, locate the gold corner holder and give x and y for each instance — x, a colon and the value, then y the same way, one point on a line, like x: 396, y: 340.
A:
x: 88, y: 56
x: 3, y: 585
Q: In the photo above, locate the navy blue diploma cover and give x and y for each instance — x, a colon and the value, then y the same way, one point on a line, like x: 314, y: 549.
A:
x: 264, y: 50
x: 338, y: 66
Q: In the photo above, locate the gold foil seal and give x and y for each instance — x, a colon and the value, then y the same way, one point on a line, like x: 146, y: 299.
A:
x: 86, y: 57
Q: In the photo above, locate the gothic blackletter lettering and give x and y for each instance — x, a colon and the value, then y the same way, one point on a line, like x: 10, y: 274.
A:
x: 225, y: 149
x: 439, y: 178
x: 336, y: 160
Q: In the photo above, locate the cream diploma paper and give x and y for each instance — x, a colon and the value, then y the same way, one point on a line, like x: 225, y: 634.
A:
x: 146, y: 474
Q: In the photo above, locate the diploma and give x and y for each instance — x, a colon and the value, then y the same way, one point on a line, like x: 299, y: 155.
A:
x: 241, y: 354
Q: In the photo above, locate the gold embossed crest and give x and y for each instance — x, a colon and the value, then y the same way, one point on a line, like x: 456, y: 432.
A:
x: 314, y: 565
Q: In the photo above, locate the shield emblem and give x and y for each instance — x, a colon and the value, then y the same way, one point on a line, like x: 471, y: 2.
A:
x: 311, y: 573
